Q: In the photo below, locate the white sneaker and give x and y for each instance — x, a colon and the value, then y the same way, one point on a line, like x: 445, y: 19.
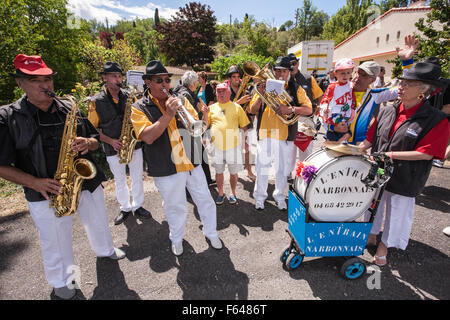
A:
x: 118, y: 254
x: 282, y: 205
x: 177, y: 248
x: 438, y: 163
x: 259, y: 205
x: 216, y: 243
x: 446, y: 231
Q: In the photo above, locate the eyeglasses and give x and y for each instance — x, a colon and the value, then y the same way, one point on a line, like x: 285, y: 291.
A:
x: 293, y: 63
x: 406, y: 83
x: 161, y: 80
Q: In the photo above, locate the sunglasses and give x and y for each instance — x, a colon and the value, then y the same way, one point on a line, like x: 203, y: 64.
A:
x: 161, y: 80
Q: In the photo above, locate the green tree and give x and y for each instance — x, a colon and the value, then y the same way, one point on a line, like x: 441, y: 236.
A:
x: 157, y: 21
x: 349, y: 19
x: 222, y: 64
x: 435, y: 41
x: 386, y: 5
x: 144, y: 38
x: 435, y: 38
x: 310, y: 21
x: 189, y: 37
x: 94, y: 55
x: 40, y: 27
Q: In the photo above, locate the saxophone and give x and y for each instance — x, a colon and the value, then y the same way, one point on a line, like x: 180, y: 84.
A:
x: 70, y: 172
x: 127, y: 135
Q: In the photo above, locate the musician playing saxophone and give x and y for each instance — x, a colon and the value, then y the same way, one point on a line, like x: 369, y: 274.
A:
x: 275, y: 138
x: 106, y: 112
x: 31, y: 131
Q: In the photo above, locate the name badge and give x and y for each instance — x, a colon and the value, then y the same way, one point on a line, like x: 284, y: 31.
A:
x: 411, y: 133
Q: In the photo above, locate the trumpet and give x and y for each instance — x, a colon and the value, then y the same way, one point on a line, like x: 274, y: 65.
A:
x: 196, y: 128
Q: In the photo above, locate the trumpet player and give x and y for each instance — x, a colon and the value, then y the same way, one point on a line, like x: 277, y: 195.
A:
x: 106, y: 113
x: 275, y: 138
x: 169, y: 155
x: 31, y: 131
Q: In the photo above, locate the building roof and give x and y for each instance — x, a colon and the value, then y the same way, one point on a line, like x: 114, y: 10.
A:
x: 392, y: 11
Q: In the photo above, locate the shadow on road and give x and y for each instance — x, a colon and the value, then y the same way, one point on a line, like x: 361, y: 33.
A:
x: 9, y: 250
x: 243, y: 214
x: 111, y: 282
x: 419, y: 273
x: 210, y: 275
x: 149, y: 239
x: 434, y: 198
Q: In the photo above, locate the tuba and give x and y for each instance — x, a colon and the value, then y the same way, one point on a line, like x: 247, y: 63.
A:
x: 127, y: 135
x: 271, y: 99
x: 196, y: 128
x: 70, y: 172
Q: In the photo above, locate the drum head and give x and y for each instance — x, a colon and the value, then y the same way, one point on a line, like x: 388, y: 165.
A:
x: 336, y: 193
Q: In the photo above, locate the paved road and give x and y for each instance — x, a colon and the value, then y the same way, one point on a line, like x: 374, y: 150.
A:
x: 247, y: 268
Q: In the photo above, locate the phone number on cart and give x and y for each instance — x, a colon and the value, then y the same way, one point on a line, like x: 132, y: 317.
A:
x: 338, y: 205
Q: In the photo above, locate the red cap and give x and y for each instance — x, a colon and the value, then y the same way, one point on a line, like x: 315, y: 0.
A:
x: 222, y: 86
x: 32, y: 65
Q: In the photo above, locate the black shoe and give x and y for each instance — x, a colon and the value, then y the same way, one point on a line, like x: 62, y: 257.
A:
x: 142, y: 213
x: 121, y: 217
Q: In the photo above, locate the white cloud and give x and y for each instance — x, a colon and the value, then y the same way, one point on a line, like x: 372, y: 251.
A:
x: 115, y: 10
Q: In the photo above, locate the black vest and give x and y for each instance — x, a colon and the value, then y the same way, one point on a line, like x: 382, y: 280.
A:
x: 293, y: 128
x: 409, y: 177
x: 158, y: 155
x: 30, y: 156
x: 111, y: 117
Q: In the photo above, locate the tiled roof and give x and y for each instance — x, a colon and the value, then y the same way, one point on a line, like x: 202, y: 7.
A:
x: 393, y: 10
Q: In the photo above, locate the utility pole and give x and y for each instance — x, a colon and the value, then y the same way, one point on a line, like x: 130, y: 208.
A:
x: 231, y: 37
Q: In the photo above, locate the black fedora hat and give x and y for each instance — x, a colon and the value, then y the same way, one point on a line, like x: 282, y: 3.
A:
x: 292, y: 57
x: 154, y: 68
x: 111, y: 67
x: 283, y: 63
x: 427, y: 72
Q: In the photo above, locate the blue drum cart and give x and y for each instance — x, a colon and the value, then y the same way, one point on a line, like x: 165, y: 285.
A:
x: 310, y: 238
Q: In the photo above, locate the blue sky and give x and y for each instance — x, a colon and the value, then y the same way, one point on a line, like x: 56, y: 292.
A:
x: 273, y: 13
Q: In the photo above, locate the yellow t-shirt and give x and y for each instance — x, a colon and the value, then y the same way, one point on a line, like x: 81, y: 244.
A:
x: 316, y: 91
x: 359, y: 97
x: 225, y: 120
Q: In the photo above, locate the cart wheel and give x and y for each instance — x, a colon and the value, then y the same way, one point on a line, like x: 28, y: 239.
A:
x: 353, y: 269
x: 285, y: 253
x: 293, y: 261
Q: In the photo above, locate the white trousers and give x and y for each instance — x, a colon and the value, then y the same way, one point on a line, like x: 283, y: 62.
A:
x: 299, y: 155
x: 55, y: 234
x: 272, y: 150
x: 398, y: 222
x: 120, y: 181
x: 173, y: 192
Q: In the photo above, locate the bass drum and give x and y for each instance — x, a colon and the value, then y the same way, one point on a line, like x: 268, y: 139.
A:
x: 335, y: 193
